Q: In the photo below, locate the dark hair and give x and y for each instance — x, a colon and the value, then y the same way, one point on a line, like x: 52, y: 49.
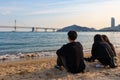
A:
x: 105, y: 38
x: 72, y: 35
x: 98, y: 38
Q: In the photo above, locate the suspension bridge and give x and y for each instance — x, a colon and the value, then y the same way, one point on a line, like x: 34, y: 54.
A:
x: 33, y: 29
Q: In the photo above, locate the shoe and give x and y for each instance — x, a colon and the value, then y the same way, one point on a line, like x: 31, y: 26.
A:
x: 99, y: 66
x: 61, y: 68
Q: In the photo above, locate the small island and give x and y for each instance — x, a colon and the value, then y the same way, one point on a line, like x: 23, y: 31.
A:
x: 86, y: 29
x: 76, y: 28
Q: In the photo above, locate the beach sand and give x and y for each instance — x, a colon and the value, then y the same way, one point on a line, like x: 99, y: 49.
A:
x: 43, y: 69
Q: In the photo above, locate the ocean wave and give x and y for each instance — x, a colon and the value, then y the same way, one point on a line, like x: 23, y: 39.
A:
x: 27, y: 55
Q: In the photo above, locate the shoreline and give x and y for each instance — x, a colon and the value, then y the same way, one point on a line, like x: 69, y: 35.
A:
x: 27, y: 55
x: 31, y: 55
x: 37, y: 54
x: 43, y: 68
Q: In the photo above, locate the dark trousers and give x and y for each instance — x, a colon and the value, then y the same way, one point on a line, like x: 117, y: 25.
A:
x: 107, y: 61
x: 61, y: 61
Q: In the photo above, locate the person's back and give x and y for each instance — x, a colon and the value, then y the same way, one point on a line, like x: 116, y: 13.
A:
x: 102, y: 51
x: 71, y: 55
x: 105, y: 38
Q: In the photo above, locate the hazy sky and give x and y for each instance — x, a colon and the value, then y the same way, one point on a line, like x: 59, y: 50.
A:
x: 59, y: 13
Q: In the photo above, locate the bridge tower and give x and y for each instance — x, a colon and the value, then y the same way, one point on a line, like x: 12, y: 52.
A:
x: 15, y: 25
x: 34, y: 29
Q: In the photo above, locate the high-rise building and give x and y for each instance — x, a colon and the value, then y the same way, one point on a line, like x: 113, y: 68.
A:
x: 112, y: 22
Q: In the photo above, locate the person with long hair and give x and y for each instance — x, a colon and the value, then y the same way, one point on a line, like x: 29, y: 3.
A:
x: 106, y: 39
x: 102, y: 52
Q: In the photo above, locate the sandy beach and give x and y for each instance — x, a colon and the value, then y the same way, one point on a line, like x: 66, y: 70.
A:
x: 42, y: 68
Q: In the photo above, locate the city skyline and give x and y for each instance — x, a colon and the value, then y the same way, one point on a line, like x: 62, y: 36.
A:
x: 112, y: 22
x: 59, y: 13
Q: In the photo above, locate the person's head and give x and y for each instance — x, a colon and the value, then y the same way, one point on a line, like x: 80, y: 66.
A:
x: 72, y: 35
x: 98, y: 38
x: 105, y: 38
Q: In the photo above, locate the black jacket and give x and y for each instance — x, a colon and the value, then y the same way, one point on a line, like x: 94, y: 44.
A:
x: 101, y: 50
x: 73, y: 55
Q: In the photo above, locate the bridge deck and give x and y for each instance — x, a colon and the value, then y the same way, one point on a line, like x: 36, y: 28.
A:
x: 28, y: 27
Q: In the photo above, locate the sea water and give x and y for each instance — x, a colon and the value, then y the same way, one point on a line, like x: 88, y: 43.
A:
x: 21, y: 42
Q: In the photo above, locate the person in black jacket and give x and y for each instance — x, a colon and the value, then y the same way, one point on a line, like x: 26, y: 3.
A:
x: 70, y: 55
x: 102, y: 52
x: 105, y: 38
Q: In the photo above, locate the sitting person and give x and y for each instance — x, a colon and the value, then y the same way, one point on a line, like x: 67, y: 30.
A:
x: 116, y: 60
x: 105, y: 38
x: 102, y: 52
x: 70, y: 55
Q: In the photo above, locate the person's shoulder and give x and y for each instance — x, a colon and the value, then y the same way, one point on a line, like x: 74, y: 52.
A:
x: 73, y: 43
x: 78, y: 43
x: 105, y: 44
x: 65, y: 45
x: 98, y: 44
x: 68, y: 44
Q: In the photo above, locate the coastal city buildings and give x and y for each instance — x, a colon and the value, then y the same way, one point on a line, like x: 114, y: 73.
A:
x: 112, y: 22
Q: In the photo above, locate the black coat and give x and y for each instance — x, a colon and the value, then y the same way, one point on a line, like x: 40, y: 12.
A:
x: 73, y: 55
x: 103, y: 52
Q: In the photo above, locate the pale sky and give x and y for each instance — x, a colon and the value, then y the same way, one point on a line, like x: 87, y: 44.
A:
x: 59, y: 13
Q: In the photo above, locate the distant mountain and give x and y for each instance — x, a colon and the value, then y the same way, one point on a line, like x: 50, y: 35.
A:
x: 75, y: 28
